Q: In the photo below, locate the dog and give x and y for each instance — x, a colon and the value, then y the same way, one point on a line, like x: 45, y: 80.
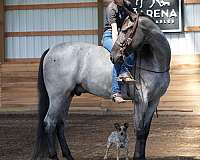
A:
x: 118, y: 138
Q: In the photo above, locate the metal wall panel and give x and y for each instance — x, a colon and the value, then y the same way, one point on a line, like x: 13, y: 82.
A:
x: 33, y: 47
x: 51, y: 19
x: 46, y: 20
x: 27, y: 2
x: 78, y: 18
x: 188, y: 42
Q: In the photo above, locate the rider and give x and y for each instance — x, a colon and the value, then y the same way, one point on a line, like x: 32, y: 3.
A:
x: 115, y: 16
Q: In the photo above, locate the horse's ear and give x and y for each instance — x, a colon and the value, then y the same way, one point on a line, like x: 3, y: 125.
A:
x: 117, y: 126
x: 126, y: 125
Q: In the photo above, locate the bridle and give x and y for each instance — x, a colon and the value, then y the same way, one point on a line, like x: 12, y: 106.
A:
x: 130, y: 33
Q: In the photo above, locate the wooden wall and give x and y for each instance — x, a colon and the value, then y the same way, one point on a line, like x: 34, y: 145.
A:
x: 19, y: 80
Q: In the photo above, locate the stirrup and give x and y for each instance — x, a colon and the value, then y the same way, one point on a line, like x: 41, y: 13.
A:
x: 126, y: 79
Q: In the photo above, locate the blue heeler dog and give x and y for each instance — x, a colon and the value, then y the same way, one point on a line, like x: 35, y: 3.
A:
x: 118, y: 138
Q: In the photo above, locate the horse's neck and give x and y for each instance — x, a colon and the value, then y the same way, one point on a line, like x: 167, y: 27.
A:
x: 153, y: 38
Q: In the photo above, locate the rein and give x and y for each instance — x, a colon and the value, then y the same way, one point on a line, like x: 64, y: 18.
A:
x: 130, y: 37
x: 130, y: 33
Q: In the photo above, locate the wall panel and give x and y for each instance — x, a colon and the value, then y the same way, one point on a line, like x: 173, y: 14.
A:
x: 78, y: 19
x: 33, y: 47
x: 38, y: 20
x: 52, y: 19
x: 27, y: 2
x: 187, y: 42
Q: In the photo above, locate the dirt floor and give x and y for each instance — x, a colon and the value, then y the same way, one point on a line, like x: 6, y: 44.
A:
x: 171, y: 137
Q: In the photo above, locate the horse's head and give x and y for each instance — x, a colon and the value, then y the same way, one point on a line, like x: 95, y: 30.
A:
x: 123, y: 41
x: 117, y: 53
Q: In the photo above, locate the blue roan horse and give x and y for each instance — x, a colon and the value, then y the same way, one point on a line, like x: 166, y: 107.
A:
x: 69, y: 69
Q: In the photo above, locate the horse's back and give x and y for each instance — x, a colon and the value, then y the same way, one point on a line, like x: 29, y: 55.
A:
x: 71, y: 64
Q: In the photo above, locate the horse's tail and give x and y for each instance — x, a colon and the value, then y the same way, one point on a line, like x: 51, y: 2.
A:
x: 41, y: 146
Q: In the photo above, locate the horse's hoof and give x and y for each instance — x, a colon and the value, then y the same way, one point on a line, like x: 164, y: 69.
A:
x: 68, y: 158
x: 139, y: 158
x: 53, y: 157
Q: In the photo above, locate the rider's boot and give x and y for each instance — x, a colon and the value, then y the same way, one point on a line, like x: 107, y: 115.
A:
x: 117, y: 97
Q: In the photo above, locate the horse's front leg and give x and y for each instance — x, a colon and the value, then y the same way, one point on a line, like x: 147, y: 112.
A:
x: 140, y: 144
x: 143, y: 116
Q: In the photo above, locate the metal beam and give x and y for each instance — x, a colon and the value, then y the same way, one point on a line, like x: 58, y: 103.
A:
x: 2, y: 40
x: 100, y: 20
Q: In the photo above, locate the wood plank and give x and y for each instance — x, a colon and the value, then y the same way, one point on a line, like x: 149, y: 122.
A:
x: 51, y: 6
x: 192, y: 1
x: 52, y: 33
x: 192, y: 29
x: 19, y: 88
x: 69, y: 5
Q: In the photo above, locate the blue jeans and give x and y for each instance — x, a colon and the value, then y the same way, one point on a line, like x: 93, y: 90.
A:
x: 118, y: 68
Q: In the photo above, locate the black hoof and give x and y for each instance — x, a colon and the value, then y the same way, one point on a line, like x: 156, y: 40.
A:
x: 54, y: 157
x: 68, y: 157
x: 139, y: 158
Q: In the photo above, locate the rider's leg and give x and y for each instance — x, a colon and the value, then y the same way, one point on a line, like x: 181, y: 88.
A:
x: 116, y: 88
x: 126, y: 68
x: 129, y: 62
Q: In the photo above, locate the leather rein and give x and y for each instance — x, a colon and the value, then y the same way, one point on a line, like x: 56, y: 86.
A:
x: 130, y: 37
x: 130, y: 33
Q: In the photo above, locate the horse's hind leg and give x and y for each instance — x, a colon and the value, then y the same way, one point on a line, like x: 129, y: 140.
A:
x: 61, y: 135
x: 55, y: 114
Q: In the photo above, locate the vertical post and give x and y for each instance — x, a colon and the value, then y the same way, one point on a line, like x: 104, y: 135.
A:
x: 100, y: 4
x: 2, y: 54
x: 2, y: 51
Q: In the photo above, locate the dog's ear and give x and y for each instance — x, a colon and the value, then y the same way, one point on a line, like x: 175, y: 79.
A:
x: 117, y: 126
x: 126, y: 125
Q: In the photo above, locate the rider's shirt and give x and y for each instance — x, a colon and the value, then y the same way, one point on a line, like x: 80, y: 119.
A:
x: 115, y: 14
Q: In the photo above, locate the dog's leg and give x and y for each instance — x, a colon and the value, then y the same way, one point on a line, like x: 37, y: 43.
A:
x: 107, y: 150
x: 127, y: 153
x: 117, y: 152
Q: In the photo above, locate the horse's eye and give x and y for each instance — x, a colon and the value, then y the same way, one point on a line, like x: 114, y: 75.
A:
x: 119, y: 129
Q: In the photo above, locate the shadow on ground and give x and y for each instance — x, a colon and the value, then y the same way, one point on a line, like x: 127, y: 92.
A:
x: 161, y: 158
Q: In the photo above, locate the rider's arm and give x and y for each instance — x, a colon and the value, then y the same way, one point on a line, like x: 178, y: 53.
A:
x: 114, y: 32
x: 112, y: 19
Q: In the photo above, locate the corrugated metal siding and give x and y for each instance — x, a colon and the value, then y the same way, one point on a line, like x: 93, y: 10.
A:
x: 51, y: 19
x: 46, y: 20
x: 26, y: 2
x: 82, y: 18
x: 33, y: 47
x: 187, y: 43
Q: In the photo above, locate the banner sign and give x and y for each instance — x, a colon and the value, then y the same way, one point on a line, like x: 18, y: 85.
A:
x: 166, y: 13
